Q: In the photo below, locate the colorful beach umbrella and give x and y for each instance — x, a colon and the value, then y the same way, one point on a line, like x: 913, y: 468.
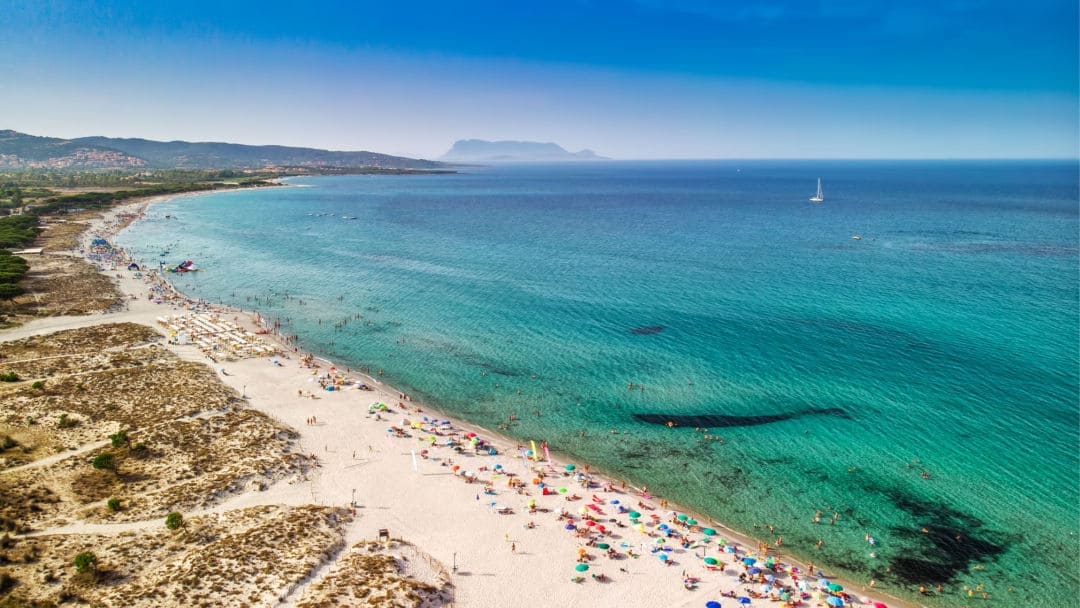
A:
x: 709, y: 532
x: 712, y: 604
x: 691, y: 522
x: 744, y: 600
x: 570, y: 467
x: 832, y: 600
x: 712, y: 561
x: 879, y: 605
x: 603, y: 546
x: 581, y: 567
x: 634, y: 514
x: 835, y: 587
x: 749, y: 561
x: 681, y: 517
x: 754, y: 571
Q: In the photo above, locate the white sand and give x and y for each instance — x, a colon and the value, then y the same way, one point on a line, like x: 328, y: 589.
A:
x: 437, y: 510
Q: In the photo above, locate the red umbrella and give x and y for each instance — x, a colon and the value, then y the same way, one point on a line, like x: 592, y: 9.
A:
x: 590, y: 523
x: 879, y: 605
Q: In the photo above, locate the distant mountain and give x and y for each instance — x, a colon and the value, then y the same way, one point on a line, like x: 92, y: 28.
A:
x: 19, y: 150
x: 479, y: 150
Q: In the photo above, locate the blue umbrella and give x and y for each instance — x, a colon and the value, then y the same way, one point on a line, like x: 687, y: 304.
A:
x: 712, y: 604
x: 754, y: 570
x: 749, y: 561
x: 834, y: 601
x: 663, y: 557
x: 744, y: 600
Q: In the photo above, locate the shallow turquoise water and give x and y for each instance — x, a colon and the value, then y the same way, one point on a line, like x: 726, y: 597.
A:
x: 947, y: 334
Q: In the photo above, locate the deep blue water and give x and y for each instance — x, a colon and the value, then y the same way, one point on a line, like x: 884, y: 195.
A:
x: 944, y: 341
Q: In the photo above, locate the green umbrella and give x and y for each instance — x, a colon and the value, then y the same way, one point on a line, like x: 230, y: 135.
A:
x: 603, y: 546
x: 570, y: 467
x: 709, y: 532
x: 691, y: 522
x: 634, y: 514
x: 711, y: 561
x: 581, y: 567
x: 681, y: 517
x: 835, y: 587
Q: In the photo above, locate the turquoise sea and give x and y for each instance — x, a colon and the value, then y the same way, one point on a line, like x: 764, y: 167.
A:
x: 922, y: 381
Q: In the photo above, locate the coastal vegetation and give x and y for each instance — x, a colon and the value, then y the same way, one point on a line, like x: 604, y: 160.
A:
x: 208, y: 445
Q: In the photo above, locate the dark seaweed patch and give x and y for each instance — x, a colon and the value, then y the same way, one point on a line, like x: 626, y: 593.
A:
x: 949, y: 543
x: 711, y: 421
x: 647, y: 330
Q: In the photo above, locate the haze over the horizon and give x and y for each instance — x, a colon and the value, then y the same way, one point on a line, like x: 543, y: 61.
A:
x: 627, y: 78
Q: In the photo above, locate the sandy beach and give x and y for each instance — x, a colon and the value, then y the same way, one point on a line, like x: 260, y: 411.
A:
x: 487, y: 524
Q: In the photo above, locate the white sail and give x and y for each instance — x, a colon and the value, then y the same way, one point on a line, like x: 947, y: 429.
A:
x: 817, y: 198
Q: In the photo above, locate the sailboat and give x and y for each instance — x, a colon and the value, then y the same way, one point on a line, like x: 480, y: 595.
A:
x: 817, y: 198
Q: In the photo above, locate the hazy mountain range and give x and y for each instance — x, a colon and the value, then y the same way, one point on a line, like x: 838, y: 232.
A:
x: 22, y: 151
x: 479, y: 150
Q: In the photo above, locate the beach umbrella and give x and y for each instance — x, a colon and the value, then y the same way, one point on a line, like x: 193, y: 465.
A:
x: 603, y: 546
x: 712, y: 604
x: 835, y: 587
x: 581, y: 567
x: 770, y: 578
x: 663, y: 526
x: 749, y: 561
x: 590, y: 523
x: 681, y: 517
x: 712, y: 561
x: 832, y: 600
x: 614, y: 501
x: 709, y: 532
x: 663, y: 557
x: 570, y: 526
x: 744, y: 600
x: 729, y: 549
x: 879, y: 605
x: 785, y: 596
x: 562, y: 490
x: 691, y: 522
x: 570, y: 467
x: 754, y: 571
x: 634, y: 514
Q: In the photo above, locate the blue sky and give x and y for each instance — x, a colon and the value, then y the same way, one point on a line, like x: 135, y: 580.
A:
x: 630, y: 79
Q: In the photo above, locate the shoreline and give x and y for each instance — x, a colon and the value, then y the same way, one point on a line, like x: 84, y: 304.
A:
x: 137, y: 209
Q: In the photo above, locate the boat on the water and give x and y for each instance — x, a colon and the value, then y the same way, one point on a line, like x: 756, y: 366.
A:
x: 817, y: 198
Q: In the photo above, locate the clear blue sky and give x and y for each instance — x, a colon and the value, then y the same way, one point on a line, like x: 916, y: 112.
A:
x: 630, y: 79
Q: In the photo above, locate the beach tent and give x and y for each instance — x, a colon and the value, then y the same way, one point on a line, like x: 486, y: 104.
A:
x: 133, y: 266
